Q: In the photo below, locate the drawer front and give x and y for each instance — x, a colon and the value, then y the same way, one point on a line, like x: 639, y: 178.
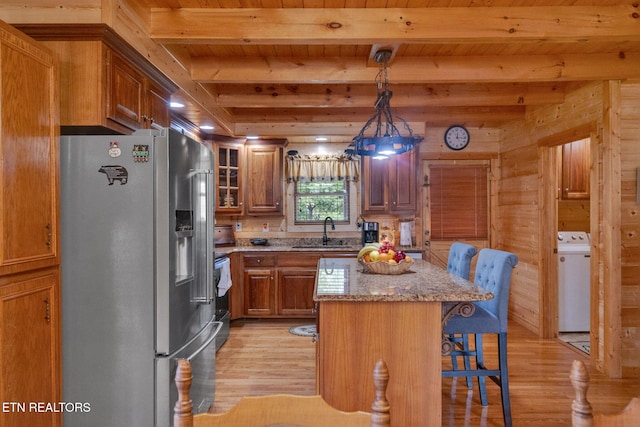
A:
x: 259, y: 260
x: 298, y: 259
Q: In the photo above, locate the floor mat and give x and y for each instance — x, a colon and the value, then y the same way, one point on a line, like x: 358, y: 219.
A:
x: 583, y: 346
x: 577, y: 340
x: 304, y: 330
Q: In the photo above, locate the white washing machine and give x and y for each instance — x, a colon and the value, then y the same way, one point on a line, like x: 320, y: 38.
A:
x: 574, y: 260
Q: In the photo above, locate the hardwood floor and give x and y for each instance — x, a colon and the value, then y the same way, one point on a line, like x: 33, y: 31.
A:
x: 262, y: 357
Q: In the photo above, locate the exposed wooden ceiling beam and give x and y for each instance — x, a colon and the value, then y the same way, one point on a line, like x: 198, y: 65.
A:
x: 444, y: 69
x: 345, y: 130
x: 315, y: 26
x: 352, y: 96
x: 361, y: 115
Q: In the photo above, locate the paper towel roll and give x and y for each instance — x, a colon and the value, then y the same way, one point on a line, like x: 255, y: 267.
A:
x: 405, y: 233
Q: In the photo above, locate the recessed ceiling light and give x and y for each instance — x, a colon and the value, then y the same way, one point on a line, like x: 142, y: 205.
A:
x: 174, y: 104
x: 321, y: 138
x: 206, y: 127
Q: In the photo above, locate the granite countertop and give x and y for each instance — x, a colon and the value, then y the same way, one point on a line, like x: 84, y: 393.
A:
x: 226, y: 250
x: 291, y: 245
x: 342, y: 279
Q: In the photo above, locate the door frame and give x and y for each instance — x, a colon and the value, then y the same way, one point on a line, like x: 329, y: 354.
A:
x: 550, y: 160
x: 428, y: 246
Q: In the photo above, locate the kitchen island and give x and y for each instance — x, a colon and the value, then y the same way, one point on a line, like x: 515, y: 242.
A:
x: 364, y: 317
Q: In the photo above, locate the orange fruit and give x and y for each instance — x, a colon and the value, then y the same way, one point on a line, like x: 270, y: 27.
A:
x: 384, y: 257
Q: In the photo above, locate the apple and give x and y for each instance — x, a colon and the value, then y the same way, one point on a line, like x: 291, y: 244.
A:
x: 374, y: 255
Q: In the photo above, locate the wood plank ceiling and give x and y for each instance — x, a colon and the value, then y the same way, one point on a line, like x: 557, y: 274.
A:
x: 302, y: 68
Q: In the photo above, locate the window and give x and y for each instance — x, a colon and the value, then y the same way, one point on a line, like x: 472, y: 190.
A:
x: 459, y: 202
x: 316, y: 200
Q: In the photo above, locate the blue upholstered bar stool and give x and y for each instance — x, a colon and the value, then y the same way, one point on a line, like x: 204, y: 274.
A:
x: 460, y: 256
x: 459, y: 263
x: 493, y: 272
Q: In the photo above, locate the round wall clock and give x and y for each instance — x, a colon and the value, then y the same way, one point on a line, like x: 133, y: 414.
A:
x: 456, y: 137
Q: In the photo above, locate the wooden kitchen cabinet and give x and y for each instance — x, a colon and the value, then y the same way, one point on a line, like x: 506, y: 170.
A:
x: 389, y: 186
x: 107, y: 86
x: 134, y: 100
x: 259, y: 285
x: 229, y: 170
x: 264, y: 182
x: 30, y: 345
x: 279, y: 284
x: 249, y: 178
x: 29, y: 243
x: 295, y: 291
x: 29, y: 149
x: 296, y: 280
x: 576, y: 158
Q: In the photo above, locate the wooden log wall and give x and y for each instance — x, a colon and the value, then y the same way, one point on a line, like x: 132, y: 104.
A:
x: 519, y: 217
x: 612, y: 110
x: 573, y: 215
x: 482, y: 150
x: 630, y: 228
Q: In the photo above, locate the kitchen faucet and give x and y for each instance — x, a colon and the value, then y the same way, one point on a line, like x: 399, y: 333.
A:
x: 325, y: 239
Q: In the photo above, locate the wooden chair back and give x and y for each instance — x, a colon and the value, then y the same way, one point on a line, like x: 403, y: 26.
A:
x: 582, y: 413
x: 282, y: 409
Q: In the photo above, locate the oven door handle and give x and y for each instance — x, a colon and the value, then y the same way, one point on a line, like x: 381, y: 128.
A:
x: 206, y: 343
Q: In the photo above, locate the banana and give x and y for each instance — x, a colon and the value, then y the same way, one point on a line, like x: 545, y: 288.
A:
x: 368, y: 248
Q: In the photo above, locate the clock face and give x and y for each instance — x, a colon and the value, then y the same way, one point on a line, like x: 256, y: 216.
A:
x: 456, y: 137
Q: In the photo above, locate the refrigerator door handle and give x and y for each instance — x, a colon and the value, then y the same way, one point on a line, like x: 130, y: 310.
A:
x: 204, y: 205
x: 209, y: 340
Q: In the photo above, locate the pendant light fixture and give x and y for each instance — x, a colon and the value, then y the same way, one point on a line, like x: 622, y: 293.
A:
x: 380, y: 137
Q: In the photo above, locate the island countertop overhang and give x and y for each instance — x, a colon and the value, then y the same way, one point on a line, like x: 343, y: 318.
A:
x: 342, y: 279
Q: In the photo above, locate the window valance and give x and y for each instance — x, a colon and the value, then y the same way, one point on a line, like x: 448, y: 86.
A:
x: 322, y: 167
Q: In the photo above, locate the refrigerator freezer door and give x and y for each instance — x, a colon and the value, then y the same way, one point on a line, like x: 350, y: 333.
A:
x: 201, y: 353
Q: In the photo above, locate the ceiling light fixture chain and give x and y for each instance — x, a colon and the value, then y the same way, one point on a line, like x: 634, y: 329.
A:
x: 386, y: 139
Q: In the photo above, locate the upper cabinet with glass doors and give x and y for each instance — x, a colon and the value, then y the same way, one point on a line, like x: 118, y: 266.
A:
x: 249, y: 177
x: 229, y: 178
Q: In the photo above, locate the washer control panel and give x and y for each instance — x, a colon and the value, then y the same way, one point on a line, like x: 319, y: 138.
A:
x: 573, y: 237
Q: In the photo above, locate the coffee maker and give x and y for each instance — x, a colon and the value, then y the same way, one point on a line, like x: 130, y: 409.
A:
x: 369, y: 232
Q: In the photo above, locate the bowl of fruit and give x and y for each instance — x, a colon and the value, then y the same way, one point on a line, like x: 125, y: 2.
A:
x: 383, y: 258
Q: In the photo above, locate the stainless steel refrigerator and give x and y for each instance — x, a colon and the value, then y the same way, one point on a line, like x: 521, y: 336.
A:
x: 137, y: 275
